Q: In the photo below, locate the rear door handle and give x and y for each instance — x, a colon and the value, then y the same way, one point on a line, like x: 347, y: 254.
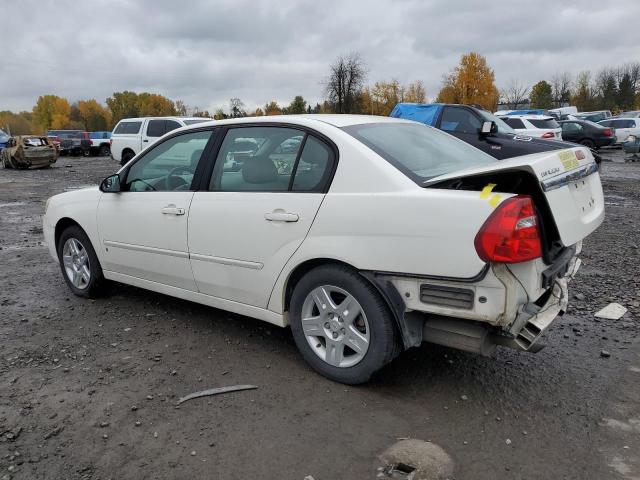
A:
x: 172, y: 210
x: 145, y: 141
x: 281, y: 216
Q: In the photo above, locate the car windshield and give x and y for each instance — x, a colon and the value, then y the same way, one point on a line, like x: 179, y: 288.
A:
x: 502, y: 126
x: 3, y: 137
x: 418, y: 151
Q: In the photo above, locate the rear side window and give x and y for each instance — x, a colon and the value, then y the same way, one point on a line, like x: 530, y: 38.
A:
x: 514, y: 122
x: 418, y: 151
x: 459, y: 120
x: 544, y: 123
x: 128, y: 127
x: 314, y: 167
x: 155, y: 128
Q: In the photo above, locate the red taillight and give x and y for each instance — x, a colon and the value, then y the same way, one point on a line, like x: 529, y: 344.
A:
x: 90, y: 142
x: 607, y: 132
x: 511, y: 233
x: 111, y: 141
x: 548, y: 135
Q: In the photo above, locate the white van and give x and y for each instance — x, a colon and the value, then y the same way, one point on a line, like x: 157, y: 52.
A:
x: 132, y: 135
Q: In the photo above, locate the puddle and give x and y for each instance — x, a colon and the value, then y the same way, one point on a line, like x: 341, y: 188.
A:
x: 12, y: 204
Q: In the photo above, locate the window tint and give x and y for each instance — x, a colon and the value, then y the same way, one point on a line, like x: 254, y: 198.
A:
x: 544, y: 123
x: 605, y: 123
x: 514, y: 122
x: 128, y: 127
x: 171, y: 125
x: 199, y: 120
x: 257, y: 159
x: 168, y: 166
x: 156, y: 128
x: 459, y: 120
x: 420, y: 152
x: 571, y: 127
x: 623, y: 123
x: 314, y: 166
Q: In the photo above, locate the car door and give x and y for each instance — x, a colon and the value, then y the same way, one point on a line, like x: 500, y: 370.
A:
x: 572, y: 131
x: 264, y: 192
x: 143, y: 228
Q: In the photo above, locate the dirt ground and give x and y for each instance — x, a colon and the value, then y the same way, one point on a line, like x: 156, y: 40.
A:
x: 88, y: 388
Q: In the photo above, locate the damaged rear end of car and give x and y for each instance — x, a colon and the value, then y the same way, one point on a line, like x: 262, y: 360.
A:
x: 543, y: 206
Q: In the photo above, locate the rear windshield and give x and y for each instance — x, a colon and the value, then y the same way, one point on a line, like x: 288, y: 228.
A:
x: 191, y: 122
x: 418, y: 151
x: 514, y: 122
x: 545, y: 123
x: 128, y: 127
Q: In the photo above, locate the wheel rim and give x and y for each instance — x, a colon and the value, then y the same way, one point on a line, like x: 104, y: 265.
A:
x: 76, y: 263
x: 335, y: 326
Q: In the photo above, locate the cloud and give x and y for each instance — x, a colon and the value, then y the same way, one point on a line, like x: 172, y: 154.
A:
x: 207, y: 52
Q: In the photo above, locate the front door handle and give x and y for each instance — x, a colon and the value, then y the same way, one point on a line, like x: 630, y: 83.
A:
x: 281, y: 216
x: 172, y: 210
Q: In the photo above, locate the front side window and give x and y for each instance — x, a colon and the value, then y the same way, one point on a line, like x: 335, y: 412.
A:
x: 459, y: 120
x: 169, y: 166
x: 128, y: 128
x: 171, y: 125
x: 420, y: 152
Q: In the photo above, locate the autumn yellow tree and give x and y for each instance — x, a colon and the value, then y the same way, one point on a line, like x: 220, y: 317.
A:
x: 50, y: 112
x: 16, y: 123
x: 415, y: 93
x: 154, y: 105
x: 94, y: 116
x: 472, y: 82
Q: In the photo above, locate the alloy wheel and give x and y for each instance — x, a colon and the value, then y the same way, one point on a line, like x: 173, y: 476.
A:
x: 335, y: 326
x: 76, y: 263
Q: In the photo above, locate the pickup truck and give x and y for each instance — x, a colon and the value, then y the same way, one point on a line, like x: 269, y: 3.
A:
x: 72, y: 142
x: 479, y: 128
x: 100, y: 143
x: 132, y: 135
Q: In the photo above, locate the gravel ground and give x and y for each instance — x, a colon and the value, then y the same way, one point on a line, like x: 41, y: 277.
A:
x: 88, y: 388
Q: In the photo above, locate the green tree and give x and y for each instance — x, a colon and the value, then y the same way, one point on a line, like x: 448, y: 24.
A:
x: 123, y: 105
x: 541, y: 95
x: 298, y: 105
x: 583, y: 96
x: 236, y: 108
x: 272, y: 108
x: 626, y: 94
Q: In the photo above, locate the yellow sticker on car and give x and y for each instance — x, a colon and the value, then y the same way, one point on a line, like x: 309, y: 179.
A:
x: 486, y: 191
x: 568, y: 159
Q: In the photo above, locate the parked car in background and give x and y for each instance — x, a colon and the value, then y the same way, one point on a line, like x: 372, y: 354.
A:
x: 479, y: 128
x: 587, y: 133
x: 320, y: 245
x: 539, y: 126
x: 593, y: 116
x: 630, y: 114
x: 132, y: 135
x: 72, y: 142
x: 4, y: 139
x: 28, y: 151
x: 55, y: 141
x: 100, y: 143
x: 623, y: 127
x: 632, y: 145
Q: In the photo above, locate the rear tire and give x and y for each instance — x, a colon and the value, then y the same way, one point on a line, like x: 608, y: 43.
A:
x: 588, y: 143
x: 79, y: 263
x: 104, y: 151
x: 341, y: 325
x: 126, y: 156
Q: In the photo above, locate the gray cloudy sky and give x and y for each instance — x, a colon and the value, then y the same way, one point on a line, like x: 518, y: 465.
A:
x: 205, y: 52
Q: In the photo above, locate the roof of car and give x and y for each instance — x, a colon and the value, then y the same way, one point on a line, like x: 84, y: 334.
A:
x: 530, y: 116
x: 337, y: 120
x: 169, y: 117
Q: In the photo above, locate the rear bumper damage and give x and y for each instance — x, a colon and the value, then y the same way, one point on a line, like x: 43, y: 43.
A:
x: 511, y: 306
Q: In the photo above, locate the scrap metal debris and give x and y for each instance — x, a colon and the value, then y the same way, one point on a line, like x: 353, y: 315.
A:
x: 613, y: 311
x: 215, y: 391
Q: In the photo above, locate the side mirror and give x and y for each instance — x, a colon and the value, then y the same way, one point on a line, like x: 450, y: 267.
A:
x: 488, y: 128
x: 111, y: 184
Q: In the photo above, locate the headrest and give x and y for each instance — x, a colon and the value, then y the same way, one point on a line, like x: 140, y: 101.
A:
x: 259, y: 170
x: 195, y: 158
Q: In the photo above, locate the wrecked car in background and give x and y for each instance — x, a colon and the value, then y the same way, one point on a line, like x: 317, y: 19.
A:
x: 4, y: 140
x: 28, y: 151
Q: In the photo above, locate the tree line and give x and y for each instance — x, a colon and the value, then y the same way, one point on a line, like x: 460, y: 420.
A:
x: 346, y: 90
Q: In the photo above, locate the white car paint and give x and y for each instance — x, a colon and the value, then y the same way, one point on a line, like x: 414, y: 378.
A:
x: 133, y: 142
x: 623, y: 127
x: 222, y: 249
x: 524, y: 125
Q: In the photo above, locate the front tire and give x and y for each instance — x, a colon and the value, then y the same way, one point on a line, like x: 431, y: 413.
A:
x: 79, y: 263
x: 341, y: 325
x: 126, y: 156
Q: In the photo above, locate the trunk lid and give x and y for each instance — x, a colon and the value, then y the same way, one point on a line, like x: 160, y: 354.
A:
x: 568, y: 179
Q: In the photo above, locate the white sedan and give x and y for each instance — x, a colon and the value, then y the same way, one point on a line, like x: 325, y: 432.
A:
x: 367, y: 235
